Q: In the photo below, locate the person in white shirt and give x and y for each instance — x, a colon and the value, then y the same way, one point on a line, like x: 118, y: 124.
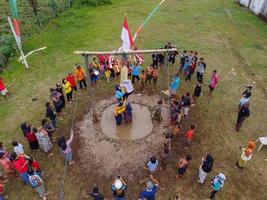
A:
x: 18, y: 148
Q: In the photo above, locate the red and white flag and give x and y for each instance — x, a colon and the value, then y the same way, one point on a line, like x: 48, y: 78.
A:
x: 126, y: 37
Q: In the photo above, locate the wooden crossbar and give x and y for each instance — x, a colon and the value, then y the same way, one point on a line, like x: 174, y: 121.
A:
x: 83, y: 53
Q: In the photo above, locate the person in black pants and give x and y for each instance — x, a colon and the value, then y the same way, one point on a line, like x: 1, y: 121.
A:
x: 51, y: 114
x: 242, y: 115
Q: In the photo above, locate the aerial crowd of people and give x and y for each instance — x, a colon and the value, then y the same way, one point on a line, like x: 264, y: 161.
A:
x: 131, y: 75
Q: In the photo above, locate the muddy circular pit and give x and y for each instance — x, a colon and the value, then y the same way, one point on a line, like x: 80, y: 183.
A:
x: 140, y: 127
x: 107, y: 149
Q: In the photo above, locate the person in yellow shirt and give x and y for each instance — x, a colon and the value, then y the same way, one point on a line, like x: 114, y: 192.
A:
x: 67, y: 89
x: 107, y: 74
x: 118, y: 112
x: 80, y: 76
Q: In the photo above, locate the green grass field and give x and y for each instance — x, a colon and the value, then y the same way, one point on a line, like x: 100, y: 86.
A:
x: 225, y: 34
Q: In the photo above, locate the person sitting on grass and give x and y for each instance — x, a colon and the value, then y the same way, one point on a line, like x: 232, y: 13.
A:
x: 37, y: 183
x: 182, y: 166
x: 118, y: 188
x: 151, y: 190
x: 152, y: 165
x: 66, y: 148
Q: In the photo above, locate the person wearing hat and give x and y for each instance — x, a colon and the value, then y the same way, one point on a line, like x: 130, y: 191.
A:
x: 217, y: 184
x: 118, y: 188
x: 151, y: 189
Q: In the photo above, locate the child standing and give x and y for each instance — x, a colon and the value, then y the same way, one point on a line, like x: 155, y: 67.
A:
x: 107, y: 74
x: 182, y: 166
x: 152, y: 165
x: 189, y: 135
x: 143, y: 79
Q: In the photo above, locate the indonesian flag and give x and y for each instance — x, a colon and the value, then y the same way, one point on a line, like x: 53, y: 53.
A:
x: 15, y: 22
x: 126, y: 37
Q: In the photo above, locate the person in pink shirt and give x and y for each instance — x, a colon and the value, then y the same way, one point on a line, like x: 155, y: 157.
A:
x: 213, y: 82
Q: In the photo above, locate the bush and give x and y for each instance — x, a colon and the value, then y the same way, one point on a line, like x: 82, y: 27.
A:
x: 7, y: 49
x: 94, y: 2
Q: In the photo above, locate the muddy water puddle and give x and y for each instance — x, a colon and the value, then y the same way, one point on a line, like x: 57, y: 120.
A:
x: 120, y: 150
x: 140, y: 127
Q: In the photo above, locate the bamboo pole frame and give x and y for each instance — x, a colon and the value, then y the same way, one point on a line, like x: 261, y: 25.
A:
x: 151, y: 51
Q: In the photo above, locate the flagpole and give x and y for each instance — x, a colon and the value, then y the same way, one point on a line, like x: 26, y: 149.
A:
x: 18, y: 44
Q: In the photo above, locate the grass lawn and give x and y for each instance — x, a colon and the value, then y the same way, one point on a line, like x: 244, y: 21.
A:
x: 226, y: 35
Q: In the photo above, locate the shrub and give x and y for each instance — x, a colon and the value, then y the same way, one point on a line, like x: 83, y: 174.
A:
x: 7, y: 49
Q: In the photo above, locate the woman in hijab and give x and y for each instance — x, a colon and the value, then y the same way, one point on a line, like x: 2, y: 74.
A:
x: 217, y: 184
x: 205, y: 168
x: 26, y: 128
x: 43, y: 139
x: 246, y: 155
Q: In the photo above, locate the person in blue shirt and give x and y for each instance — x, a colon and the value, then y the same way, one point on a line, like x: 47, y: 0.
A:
x: 136, y: 72
x: 118, y: 94
x: 151, y: 190
x: 217, y: 184
x: 175, y: 84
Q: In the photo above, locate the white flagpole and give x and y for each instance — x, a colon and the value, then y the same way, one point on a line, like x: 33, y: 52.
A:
x: 24, y: 61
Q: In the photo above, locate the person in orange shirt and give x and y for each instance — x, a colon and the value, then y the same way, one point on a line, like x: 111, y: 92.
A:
x: 80, y: 76
x: 189, y: 135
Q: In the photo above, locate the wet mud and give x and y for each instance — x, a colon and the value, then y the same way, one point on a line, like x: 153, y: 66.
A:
x: 121, y: 150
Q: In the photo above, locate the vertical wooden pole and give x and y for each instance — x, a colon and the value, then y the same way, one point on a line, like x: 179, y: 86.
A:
x: 90, y: 89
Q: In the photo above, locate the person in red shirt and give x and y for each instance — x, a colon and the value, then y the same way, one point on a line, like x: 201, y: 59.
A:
x: 21, y: 165
x: 3, y: 90
x: 189, y: 135
x: 71, y: 79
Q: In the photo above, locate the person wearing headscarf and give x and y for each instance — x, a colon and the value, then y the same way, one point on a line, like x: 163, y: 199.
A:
x: 205, y: 168
x: 216, y: 184
x: 25, y: 128
x: 246, y: 155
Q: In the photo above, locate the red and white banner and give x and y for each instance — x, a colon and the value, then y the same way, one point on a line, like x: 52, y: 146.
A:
x: 126, y: 37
